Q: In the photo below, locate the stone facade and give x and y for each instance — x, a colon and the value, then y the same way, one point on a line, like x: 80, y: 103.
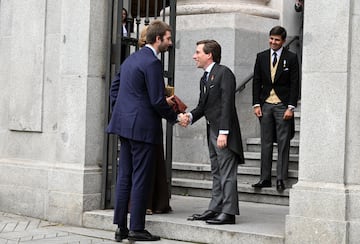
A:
x: 52, y: 104
x: 324, y: 205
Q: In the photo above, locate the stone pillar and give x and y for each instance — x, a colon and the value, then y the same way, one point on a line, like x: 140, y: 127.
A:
x: 324, y: 204
x: 241, y: 28
x: 252, y: 7
x: 52, y: 105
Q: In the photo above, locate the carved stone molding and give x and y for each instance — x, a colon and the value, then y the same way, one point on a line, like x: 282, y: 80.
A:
x: 251, y: 7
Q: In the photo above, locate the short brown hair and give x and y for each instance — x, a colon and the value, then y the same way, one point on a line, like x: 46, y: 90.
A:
x: 156, y: 28
x: 278, y: 31
x: 213, y: 47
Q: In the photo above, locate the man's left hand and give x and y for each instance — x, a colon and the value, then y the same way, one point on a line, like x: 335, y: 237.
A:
x: 222, y: 141
x: 288, y: 114
x: 170, y: 100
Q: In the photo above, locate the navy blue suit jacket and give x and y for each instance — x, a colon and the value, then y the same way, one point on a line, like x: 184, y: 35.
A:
x: 138, y: 100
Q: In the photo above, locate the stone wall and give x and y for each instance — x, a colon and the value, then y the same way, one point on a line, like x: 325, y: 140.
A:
x: 52, y: 104
x: 324, y: 205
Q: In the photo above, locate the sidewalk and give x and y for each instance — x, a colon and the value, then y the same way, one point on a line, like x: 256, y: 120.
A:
x: 257, y: 223
x: 20, y: 229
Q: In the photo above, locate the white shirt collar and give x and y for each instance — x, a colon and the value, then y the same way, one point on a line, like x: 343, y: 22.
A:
x: 278, y: 52
x: 208, y: 69
x: 151, y: 47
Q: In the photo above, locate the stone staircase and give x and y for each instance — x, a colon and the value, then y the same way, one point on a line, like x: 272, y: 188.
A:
x: 194, y: 179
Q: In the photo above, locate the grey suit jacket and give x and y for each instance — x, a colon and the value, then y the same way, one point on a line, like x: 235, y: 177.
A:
x: 217, y: 104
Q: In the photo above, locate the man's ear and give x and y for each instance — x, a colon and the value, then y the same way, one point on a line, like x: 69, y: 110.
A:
x: 158, y: 39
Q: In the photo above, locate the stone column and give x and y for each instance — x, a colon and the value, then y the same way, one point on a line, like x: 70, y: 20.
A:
x: 252, y: 7
x: 52, y: 107
x: 324, y: 204
x: 241, y: 28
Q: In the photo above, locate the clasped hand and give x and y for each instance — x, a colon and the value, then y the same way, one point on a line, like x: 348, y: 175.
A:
x: 184, y: 119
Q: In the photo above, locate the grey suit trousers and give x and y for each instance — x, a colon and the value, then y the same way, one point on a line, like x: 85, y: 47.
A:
x: 272, y: 122
x: 224, y: 166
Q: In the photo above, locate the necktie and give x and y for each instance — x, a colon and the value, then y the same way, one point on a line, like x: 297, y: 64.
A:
x: 275, y: 59
x: 203, y: 81
x: 204, y: 77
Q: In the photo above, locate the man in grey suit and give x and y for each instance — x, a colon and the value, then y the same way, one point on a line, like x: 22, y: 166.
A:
x: 217, y: 104
x: 275, y: 95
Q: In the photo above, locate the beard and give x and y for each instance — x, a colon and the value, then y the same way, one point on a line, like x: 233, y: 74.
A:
x: 163, y: 47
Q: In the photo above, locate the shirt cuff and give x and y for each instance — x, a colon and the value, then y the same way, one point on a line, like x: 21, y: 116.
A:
x: 191, y: 117
x: 291, y: 107
x: 223, y: 132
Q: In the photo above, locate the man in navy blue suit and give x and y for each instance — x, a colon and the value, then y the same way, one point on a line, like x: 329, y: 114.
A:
x: 138, y: 102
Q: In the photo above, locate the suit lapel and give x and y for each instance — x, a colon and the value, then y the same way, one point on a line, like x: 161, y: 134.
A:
x: 209, y: 83
x: 212, y: 76
x: 267, y: 65
x: 282, y: 64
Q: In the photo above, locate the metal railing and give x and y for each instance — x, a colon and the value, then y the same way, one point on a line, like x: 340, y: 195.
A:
x: 145, y: 10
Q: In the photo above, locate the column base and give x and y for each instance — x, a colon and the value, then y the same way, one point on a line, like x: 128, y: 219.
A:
x: 318, y: 213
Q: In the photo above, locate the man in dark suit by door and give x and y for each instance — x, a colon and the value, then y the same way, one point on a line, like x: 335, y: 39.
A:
x: 138, y: 101
x: 275, y: 95
x: 217, y: 104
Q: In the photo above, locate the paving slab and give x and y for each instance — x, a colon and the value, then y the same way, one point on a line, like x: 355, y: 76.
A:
x: 257, y: 223
x: 21, y: 229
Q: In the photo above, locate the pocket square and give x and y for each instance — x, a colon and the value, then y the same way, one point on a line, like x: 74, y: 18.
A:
x: 211, y: 86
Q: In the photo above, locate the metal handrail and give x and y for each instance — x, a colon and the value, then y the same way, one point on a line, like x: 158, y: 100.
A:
x: 248, y: 78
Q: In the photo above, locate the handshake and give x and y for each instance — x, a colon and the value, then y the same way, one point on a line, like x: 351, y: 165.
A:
x: 184, y: 119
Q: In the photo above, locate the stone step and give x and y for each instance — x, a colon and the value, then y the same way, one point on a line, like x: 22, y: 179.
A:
x: 252, y: 159
x: 254, y: 145
x: 246, y: 174
x: 257, y: 223
x: 202, y: 188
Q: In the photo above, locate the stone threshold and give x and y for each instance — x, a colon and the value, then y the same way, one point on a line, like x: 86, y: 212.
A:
x: 257, y: 223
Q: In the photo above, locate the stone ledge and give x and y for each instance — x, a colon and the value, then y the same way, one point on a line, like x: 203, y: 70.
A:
x: 251, y: 9
x: 257, y: 223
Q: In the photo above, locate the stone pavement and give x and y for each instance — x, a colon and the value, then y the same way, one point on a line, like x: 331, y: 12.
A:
x: 257, y: 223
x: 20, y: 229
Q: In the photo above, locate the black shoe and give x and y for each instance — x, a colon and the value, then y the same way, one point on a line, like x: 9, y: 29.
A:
x: 121, y: 233
x: 262, y: 183
x: 208, y: 214
x: 142, y: 235
x: 280, y: 186
x: 222, y: 219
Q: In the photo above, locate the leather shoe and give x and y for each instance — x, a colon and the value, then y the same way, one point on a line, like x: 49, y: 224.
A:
x: 121, y: 233
x: 280, y: 186
x: 222, y: 219
x: 142, y: 235
x: 262, y: 183
x: 208, y: 214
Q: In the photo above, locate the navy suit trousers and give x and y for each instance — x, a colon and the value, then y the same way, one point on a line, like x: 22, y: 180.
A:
x: 133, y: 183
